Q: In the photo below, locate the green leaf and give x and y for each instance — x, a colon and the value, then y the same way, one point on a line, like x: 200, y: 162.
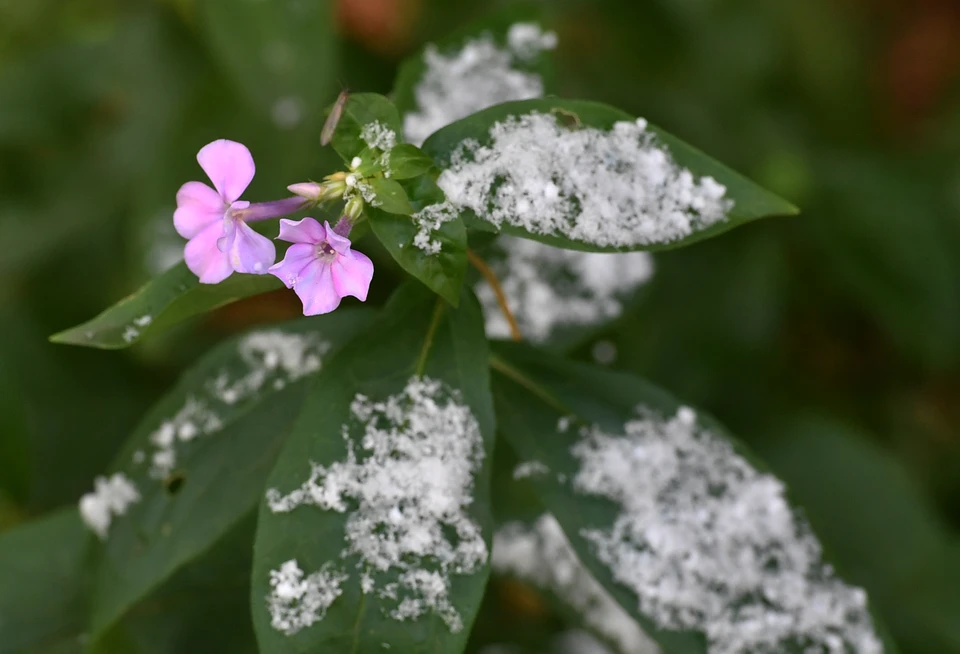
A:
x: 391, y: 198
x: 442, y: 272
x: 222, y: 426
x: 15, y: 459
x: 537, y: 395
x: 750, y: 201
x: 417, y: 334
x: 161, y: 303
x: 459, y: 99
x: 42, y: 597
x: 873, y: 518
x: 364, y: 110
x: 407, y: 161
x: 280, y: 57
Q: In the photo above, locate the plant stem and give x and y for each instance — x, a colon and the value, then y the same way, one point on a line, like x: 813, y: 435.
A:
x: 491, y: 278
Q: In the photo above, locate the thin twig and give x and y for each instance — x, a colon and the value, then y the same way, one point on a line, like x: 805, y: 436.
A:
x: 491, y: 278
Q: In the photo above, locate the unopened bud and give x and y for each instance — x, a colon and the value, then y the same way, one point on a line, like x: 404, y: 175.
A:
x: 308, y: 190
x: 355, y: 163
x: 336, y: 177
x: 354, y: 208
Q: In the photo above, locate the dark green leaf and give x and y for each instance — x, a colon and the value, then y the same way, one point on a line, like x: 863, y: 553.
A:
x: 15, y: 463
x: 364, y: 110
x: 532, y: 393
x: 408, y: 161
x: 280, y: 56
x: 418, y: 334
x: 162, y: 302
x: 222, y: 425
x: 43, y: 593
x: 442, y: 272
x: 750, y: 200
x: 391, y: 198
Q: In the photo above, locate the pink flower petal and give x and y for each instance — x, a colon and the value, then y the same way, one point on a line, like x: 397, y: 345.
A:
x: 306, y: 230
x: 352, y: 273
x: 198, y: 206
x: 203, y: 257
x: 251, y: 252
x: 230, y: 167
x: 339, y: 243
x: 315, y: 289
x: 298, y: 257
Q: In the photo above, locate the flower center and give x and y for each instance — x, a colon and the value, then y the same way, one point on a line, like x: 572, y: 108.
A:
x: 325, y: 251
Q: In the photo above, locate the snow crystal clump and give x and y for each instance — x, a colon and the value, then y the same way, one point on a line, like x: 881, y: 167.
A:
x: 530, y: 469
x: 547, y: 288
x: 540, y: 555
x: 295, y: 601
x: 617, y: 188
x: 407, y: 483
x: 708, y: 543
x: 111, y: 497
x: 479, y: 75
x: 269, y: 360
x: 430, y: 219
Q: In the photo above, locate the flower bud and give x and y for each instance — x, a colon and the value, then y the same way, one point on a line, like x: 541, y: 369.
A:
x: 308, y: 190
x: 354, y: 208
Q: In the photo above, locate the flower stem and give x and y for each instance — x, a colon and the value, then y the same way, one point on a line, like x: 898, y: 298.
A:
x: 491, y: 278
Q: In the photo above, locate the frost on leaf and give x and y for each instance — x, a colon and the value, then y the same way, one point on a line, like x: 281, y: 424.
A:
x: 378, y: 136
x: 430, y: 219
x: 407, y: 484
x: 540, y: 555
x: 617, y: 188
x: 269, y: 360
x: 548, y: 288
x: 478, y: 75
x: 297, y: 601
x: 708, y: 543
x: 530, y: 469
x: 111, y: 497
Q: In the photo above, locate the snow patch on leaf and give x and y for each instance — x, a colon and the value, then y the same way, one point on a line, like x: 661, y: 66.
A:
x: 709, y: 543
x: 548, y: 288
x: 430, y: 219
x: 540, y: 555
x: 478, y: 75
x: 407, y: 484
x: 269, y: 360
x: 617, y: 188
x: 111, y: 497
x: 297, y: 601
x: 530, y: 469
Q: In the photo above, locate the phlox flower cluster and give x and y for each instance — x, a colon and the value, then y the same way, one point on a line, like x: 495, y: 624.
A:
x: 320, y: 266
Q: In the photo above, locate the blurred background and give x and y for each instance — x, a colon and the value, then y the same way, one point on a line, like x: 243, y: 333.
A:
x: 829, y: 341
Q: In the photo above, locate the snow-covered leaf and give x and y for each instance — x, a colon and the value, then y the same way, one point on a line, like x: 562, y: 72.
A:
x: 369, y: 122
x: 199, y: 459
x: 501, y: 58
x: 164, y: 301
x: 376, y: 526
x: 586, y: 176
x: 689, y: 533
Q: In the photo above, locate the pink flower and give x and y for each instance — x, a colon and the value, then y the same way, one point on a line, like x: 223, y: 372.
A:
x: 321, y: 267
x: 220, y: 241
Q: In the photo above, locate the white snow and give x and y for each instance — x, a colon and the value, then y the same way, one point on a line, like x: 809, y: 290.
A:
x: 540, y: 555
x: 530, y: 469
x: 295, y: 601
x: 407, y: 483
x: 548, y: 288
x: 709, y: 543
x: 268, y: 361
x: 378, y: 136
x: 111, y: 497
x: 616, y: 188
x: 430, y: 219
x: 479, y: 75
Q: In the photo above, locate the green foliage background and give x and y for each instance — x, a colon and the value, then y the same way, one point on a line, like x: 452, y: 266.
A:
x: 830, y: 342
